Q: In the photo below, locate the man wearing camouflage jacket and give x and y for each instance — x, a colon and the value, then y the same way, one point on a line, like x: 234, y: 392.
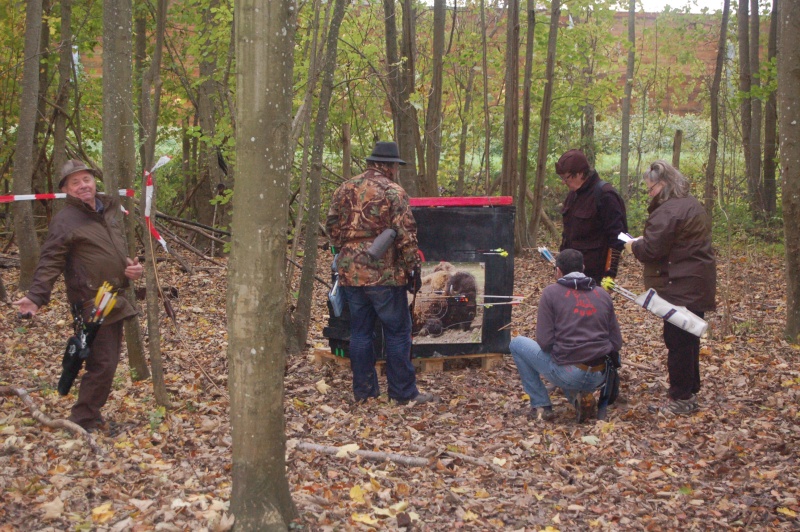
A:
x: 361, y: 209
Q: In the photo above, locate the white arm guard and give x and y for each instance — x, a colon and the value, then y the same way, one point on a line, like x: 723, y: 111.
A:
x: 678, y: 316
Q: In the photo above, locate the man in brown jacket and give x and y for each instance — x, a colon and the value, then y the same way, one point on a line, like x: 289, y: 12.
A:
x: 85, y: 242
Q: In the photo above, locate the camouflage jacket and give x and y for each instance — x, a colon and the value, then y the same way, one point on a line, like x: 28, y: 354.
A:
x: 361, y: 209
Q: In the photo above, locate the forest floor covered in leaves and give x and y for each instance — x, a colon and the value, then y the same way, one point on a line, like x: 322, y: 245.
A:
x: 731, y: 465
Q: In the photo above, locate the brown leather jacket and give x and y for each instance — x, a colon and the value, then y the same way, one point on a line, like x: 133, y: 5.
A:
x: 89, y: 248
x: 677, y: 254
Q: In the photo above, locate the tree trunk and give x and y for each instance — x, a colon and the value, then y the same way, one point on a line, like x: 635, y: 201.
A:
x: 139, y: 57
x: 210, y: 174
x: 510, y: 162
x: 24, y: 226
x: 587, y: 129
x: 302, y: 315
x: 347, y: 171
x: 151, y: 80
x: 757, y: 202
x: 789, y: 128
x: 544, y: 128
x: 433, y: 117
x: 742, y: 19
x: 302, y: 125
x: 676, y: 148
x: 771, y: 121
x: 462, y: 139
x: 400, y: 95
x: 409, y: 129
x: 714, y: 95
x: 62, y: 99
x: 392, y: 61
x: 522, y: 238
x: 119, y: 155
x: 260, y: 497
x: 625, y: 143
x: 303, y: 115
x: 42, y: 123
x: 487, y: 134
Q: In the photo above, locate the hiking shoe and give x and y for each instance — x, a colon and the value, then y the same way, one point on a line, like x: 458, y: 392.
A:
x: 421, y: 398
x: 585, y: 406
x: 541, y: 413
x: 676, y: 407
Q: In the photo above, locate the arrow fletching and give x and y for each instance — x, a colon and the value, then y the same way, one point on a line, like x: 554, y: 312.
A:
x: 546, y: 255
x: 110, y: 305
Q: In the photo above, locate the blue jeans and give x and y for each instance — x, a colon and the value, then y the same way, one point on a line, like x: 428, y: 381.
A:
x: 533, y: 363
x: 389, y: 304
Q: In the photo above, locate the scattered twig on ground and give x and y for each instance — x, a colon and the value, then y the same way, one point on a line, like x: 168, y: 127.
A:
x: 47, y: 421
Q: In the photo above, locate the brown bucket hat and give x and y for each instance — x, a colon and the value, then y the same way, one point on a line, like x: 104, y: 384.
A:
x: 72, y: 166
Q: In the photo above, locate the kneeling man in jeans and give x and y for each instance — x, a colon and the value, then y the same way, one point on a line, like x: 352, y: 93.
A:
x: 576, y: 328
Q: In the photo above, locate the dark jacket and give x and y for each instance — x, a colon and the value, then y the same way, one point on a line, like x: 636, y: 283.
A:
x: 576, y: 322
x: 592, y: 226
x: 89, y: 248
x: 361, y: 209
x: 676, y: 251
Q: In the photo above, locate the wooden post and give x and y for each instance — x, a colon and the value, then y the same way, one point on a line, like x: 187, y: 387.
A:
x: 676, y: 148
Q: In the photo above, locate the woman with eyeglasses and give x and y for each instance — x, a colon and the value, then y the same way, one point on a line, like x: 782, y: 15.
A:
x: 679, y: 264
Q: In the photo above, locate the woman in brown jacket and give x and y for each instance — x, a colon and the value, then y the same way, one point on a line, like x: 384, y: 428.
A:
x: 679, y: 264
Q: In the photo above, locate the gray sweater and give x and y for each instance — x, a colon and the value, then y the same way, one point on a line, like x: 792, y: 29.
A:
x: 576, y: 323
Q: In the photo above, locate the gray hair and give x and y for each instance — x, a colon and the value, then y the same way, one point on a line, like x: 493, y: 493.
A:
x: 675, y: 184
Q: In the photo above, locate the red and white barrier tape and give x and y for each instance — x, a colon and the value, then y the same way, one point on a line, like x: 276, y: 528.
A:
x: 128, y: 192
x: 148, y: 191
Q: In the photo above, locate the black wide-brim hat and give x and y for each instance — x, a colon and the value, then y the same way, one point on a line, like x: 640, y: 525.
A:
x: 385, y: 152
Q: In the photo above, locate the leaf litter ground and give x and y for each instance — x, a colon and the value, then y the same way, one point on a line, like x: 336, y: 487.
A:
x: 732, y: 465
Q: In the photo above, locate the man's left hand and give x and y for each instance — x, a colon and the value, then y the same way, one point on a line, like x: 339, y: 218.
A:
x: 134, y: 270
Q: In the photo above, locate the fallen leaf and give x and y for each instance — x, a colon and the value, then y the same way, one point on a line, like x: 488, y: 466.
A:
x: 322, y: 387
x: 364, y: 518
x: 52, y: 509
x: 356, y: 493
x: 102, y: 514
x: 344, y: 449
x: 225, y: 523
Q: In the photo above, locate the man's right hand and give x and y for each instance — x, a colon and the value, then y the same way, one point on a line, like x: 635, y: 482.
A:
x: 26, y: 308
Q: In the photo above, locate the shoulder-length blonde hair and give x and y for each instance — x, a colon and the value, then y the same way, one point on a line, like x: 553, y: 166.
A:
x: 675, y: 185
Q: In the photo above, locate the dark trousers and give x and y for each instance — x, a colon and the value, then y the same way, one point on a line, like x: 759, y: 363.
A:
x: 389, y: 304
x: 683, y: 361
x: 98, y: 375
